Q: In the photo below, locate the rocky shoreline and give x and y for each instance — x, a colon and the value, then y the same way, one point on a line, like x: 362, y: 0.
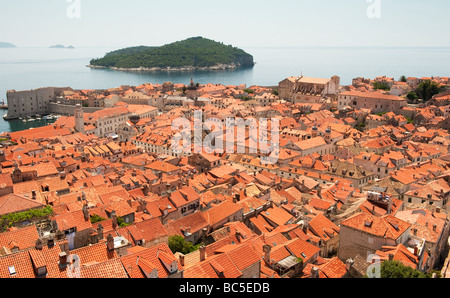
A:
x: 169, y: 69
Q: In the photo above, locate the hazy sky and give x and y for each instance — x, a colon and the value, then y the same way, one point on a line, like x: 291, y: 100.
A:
x: 242, y: 23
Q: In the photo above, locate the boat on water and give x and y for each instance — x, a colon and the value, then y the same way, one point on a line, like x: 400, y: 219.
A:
x: 50, y: 117
x: 3, y: 106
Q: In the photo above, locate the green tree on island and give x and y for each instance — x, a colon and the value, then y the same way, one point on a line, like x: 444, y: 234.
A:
x: 195, y: 52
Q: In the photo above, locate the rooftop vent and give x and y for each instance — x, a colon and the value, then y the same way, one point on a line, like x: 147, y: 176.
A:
x: 12, y: 270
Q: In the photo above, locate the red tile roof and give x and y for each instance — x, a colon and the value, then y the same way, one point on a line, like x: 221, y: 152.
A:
x: 24, y: 237
x: 20, y: 263
x: 220, y: 212
x: 72, y: 220
x: 329, y: 268
x: 152, y: 255
x: 386, y: 227
x: 14, y: 203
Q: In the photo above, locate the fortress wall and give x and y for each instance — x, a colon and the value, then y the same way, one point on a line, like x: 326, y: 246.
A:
x: 30, y: 102
x: 60, y: 109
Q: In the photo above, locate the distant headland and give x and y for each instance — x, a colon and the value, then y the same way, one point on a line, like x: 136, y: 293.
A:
x: 59, y: 46
x: 7, y: 45
x: 195, y: 53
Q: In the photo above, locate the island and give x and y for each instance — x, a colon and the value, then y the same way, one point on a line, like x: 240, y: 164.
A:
x: 7, y: 45
x: 195, y: 53
x: 59, y: 46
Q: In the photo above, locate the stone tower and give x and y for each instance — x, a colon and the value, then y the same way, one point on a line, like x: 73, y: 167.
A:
x: 79, y: 120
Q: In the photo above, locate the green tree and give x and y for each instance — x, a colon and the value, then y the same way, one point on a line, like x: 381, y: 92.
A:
x: 179, y: 244
x: 396, y: 269
x: 412, y: 96
x: 403, y: 79
x: 121, y: 222
x: 380, y: 86
x: 96, y: 218
x: 428, y: 89
x: 9, y: 220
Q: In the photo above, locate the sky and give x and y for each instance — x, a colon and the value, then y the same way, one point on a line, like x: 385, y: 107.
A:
x: 242, y: 23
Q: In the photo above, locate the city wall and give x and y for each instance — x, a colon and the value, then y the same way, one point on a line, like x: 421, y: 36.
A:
x: 60, y: 109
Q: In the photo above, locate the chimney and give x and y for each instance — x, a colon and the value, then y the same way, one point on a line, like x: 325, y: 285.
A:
x: 39, y: 244
x: 114, y: 219
x: 238, y: 236
x: 110, y: 242
x: 391, y: 257
x: 202, y: 250
x: 62, y: 259
x: 100, y: 231
x: 86, y: 213
x: 64, y: 247
x: 305, y: 228
x: 267, y: 249
x: 415, y: 232
x: 434, y: 228
x: 314, y: 272
x: 50, y: 241
x: 416, y: 250
x: 181, y: 259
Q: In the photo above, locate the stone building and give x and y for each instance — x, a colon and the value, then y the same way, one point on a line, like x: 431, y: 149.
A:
x: 30, y: 102
x: 308, y: 90
x: 364, y: 234
x: 376, y: 101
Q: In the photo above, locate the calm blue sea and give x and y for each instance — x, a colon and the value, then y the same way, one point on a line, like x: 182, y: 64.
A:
x: 31, y: 68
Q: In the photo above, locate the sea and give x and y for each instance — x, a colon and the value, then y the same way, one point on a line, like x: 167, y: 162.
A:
x: 31, y: 68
